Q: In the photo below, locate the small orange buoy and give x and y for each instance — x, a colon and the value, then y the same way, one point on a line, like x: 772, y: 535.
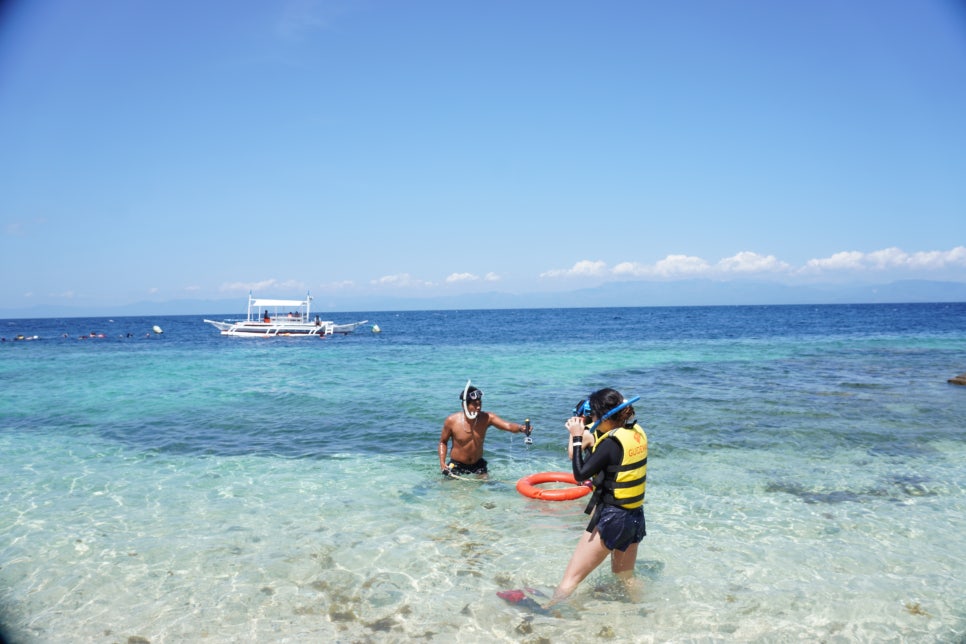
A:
x: 527, y: 486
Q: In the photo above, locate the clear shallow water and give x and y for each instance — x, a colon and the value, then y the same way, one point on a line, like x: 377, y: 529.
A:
x: 806, y: 477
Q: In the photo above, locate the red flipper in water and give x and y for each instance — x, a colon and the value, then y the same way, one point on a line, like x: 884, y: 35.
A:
x: 522, y: 599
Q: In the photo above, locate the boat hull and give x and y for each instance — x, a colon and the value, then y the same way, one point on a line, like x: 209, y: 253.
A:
x: 250, y: 329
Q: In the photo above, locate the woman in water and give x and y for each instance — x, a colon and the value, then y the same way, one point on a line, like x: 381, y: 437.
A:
x: 619, y: 461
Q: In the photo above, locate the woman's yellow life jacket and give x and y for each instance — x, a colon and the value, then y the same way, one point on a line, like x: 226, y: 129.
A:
x: 624, y: 485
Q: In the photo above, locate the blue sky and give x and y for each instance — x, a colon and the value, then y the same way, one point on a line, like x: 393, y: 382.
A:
x: 161, y: 151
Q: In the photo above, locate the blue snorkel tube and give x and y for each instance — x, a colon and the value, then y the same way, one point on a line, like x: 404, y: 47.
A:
x: 613, y: 411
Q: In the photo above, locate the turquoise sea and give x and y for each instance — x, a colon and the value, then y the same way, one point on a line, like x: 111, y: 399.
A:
x: 806, y: 479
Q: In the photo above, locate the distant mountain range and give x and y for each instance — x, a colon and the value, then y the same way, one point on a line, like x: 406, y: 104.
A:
x: 680, y: 293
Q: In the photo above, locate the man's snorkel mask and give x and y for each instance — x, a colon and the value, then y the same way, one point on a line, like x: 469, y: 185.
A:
x: 475, y: 394
x: 613, y: 411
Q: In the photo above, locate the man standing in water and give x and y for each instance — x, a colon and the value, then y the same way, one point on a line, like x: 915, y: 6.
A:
x: 467, y: 430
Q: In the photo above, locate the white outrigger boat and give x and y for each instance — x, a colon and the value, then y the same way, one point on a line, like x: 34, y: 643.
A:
x: 281, y: 318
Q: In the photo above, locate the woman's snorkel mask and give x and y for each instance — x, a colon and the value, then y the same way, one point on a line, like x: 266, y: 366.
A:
x: 613, y: 411
x: 476, y: 394
x: 582, y: 409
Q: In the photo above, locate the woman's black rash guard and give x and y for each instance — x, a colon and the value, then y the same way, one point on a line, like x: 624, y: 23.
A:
x: 608, y: 452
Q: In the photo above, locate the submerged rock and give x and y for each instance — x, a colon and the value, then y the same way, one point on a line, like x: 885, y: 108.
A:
x: 958, y: 380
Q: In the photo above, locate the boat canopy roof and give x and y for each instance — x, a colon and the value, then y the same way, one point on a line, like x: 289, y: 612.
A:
x: 264, y: 302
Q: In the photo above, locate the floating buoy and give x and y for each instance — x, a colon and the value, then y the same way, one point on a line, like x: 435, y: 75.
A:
x: 527, y: 486
x: 376, y: 329
x: 157, y: 329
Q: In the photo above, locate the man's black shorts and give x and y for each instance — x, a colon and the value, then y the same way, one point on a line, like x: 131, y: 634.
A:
x: 478, y: 467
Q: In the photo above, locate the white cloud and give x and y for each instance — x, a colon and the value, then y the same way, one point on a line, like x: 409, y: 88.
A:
x: 632, y: 269
x: 262, y: 286
x: 583, y: 268
x: 888, y: 259
x: 938, y: 259
x: 681, y: 266
x: 456, y: 278
x: 749, y: 263
x: 461, y: 277
x: 846, y: 260
x: 392, y: 279
x: 400, y: 280
x: 670, y: 267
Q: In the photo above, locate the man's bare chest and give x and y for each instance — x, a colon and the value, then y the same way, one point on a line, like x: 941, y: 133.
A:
x: 467, y: 432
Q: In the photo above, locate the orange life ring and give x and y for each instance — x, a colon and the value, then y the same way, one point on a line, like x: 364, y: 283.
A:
x: 527, y: 486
